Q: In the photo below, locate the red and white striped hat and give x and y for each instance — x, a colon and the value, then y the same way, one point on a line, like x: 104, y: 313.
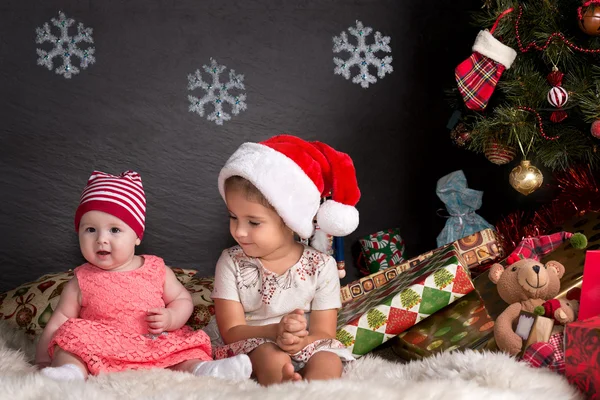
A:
x: 121, y: 196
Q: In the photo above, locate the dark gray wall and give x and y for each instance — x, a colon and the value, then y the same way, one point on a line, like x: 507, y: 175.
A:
x: 129, y: 111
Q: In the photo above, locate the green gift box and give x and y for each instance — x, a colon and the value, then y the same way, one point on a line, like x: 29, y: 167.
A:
x: 380, y: 250
x: 406, y: 300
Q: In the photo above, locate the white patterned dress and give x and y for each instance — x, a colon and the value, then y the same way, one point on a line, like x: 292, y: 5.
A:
x: 310, y: 284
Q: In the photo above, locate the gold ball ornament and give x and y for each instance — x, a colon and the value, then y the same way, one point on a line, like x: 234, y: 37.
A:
x: 525, y: 178
x: 590, y: 21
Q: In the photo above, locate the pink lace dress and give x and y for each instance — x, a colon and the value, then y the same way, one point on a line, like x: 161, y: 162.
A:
x: 111, y: 333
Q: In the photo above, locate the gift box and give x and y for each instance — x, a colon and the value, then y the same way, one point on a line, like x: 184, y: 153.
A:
x: 379, y: 289
x: 461, y: 325
x: 379, y: 251
x: 533, y: 328
x: 412, y: 296
x: 589, y: 303
x: 475, y: 251
x: 582, y: 356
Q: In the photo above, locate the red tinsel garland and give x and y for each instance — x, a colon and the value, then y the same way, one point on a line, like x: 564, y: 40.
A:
x: 578, y: 194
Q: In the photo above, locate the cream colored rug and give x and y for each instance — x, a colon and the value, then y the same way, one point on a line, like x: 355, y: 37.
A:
x: 454, y: 376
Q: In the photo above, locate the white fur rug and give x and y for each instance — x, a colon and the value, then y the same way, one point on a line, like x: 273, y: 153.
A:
x: 469, y: 375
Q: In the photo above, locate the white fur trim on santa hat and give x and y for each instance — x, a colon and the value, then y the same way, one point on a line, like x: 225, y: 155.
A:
x: 337, y: 219
x: 283, y: 183
x: 489, y: 46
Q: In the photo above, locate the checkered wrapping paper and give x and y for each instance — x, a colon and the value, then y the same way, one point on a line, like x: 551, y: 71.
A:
x: 432, y: 287
x: 379, y: 293
x: 477, y: 77
x: 477, y: 251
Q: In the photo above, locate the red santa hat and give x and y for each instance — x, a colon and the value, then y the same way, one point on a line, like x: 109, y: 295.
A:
x: 120, y: 196
x: 294, y: 175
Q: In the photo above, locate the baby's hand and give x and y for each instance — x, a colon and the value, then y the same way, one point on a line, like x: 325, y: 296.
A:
x: 290, y: 343
x: 294, y: 323
x: 159, y: 320
x: 287, y: 339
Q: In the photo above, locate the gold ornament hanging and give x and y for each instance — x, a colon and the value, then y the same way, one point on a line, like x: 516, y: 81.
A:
x: 525, y: 178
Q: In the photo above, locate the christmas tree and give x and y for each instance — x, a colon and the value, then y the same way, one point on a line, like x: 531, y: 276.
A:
x: 376, y: 319
x: 344, y: 337
x: 442, y: 278
x: 542, y: 102
x: 409, y: 298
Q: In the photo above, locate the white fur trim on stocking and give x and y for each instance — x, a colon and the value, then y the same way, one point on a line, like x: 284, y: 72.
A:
x: 283, y: 183
x: 337, y: 219
x: 489, y: 46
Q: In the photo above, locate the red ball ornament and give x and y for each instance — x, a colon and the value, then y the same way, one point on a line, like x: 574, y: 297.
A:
x: 595, y: 129
x: 460, y: 135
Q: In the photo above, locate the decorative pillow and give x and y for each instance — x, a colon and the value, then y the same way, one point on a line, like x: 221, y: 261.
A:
x: 29, y: 306
x: 200, y: 289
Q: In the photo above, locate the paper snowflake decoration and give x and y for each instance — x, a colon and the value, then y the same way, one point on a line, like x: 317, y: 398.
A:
x: 65, y: 46
x: 362, y: 55
x: 217, y: 93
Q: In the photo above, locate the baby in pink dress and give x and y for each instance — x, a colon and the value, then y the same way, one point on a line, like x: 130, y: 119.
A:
x: 123, y: 311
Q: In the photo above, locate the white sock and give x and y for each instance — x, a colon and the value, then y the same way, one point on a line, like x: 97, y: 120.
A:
x: 67, y: 372
x: 238, y: 367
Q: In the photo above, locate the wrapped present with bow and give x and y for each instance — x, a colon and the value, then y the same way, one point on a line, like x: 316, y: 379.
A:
x: 461, y: 203
x: 582, y: 337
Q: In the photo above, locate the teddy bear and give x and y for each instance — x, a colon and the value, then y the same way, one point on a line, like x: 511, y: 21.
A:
x: 526, y: 283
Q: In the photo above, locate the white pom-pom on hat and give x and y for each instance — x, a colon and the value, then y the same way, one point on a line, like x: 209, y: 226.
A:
x: 337, y: 219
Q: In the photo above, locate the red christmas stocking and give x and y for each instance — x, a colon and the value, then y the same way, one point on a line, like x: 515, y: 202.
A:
x: 479, y: 74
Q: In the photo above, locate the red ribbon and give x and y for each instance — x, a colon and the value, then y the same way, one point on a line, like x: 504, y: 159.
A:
x: 555, y: 77
x: 507, y: 11
x: 558, y: 116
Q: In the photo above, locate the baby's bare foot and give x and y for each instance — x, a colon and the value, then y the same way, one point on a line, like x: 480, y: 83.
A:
x: 288, y: 373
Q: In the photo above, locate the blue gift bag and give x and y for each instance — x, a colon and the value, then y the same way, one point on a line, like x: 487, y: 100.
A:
x: 461, y: 203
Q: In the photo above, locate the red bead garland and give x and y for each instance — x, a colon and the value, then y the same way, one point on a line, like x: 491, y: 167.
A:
x: 545, y: 46
x: 539, y: 119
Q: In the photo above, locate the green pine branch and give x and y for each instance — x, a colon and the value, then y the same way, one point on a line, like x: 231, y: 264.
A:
x: 525, y: 84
